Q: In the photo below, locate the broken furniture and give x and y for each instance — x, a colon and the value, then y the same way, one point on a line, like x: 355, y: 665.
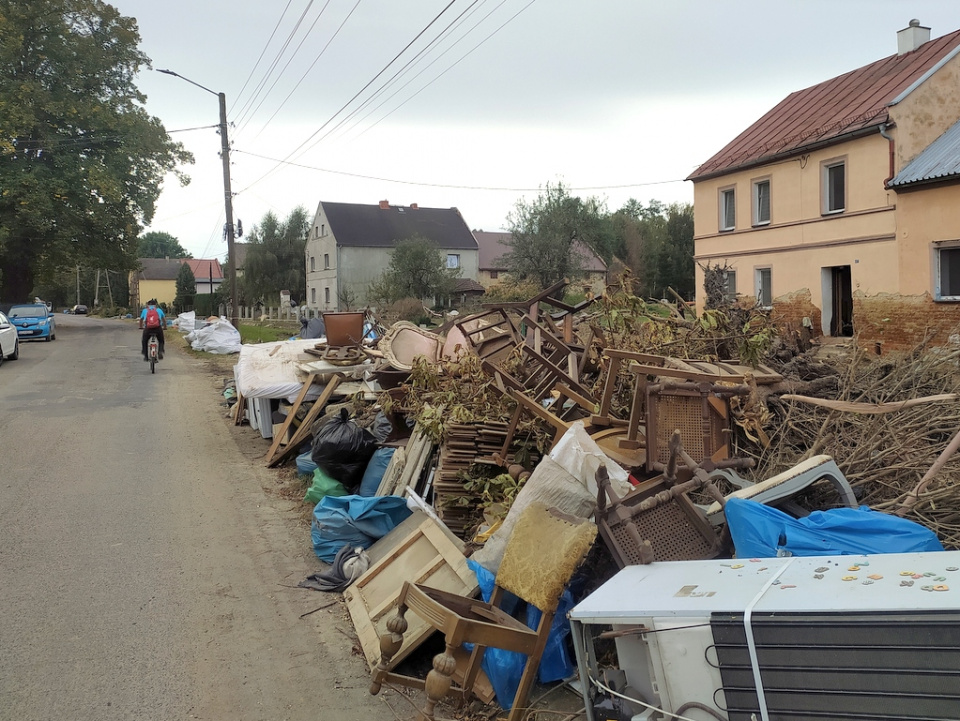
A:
x: 344, y: 328
x: 657, y: 521
x: 404, y: 341
x: 535, y: 571
x: 818, y: 644
x: 782, y: 487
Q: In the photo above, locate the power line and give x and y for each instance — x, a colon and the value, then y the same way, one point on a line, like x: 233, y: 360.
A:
x: 448, y: 185
x: 432, y: 62
x: 358, y: 93
x: 307, y: 71
x: 284, y: 68
x: 451, y: 67
x: 273, y: 65
x: 263, y: 52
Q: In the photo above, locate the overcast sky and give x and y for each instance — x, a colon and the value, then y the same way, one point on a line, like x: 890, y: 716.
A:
x: 617, y: 99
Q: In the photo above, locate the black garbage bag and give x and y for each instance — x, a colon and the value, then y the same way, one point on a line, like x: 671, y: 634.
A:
x: 343, y: 449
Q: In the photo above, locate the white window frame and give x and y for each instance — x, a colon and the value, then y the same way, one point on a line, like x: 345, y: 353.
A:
x: 312, y: 264
x: 758, y: 188
x: 827, y: 190
x: 453, y: 260
x: 313, y: 296
x: 758, y: 280
x: 730, y: 284
x: 326, y: 261
x: 939, y: 249
x: 726, y: 223
x: 326, y: 296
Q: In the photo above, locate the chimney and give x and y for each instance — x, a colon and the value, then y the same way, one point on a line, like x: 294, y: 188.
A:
x: 384, y: 204
x: 912, y: 37
x: 414, y: 206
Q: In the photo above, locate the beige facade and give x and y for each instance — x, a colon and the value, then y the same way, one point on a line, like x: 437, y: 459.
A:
x: 865, y: 260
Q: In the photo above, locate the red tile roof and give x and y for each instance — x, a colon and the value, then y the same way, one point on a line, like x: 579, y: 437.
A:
x: 204, y: 268
x: 852, y: 103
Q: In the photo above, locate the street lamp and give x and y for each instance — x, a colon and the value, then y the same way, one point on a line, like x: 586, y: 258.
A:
x: 227, y: 194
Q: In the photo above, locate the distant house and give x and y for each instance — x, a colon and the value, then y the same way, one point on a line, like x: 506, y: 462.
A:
x: 157, y: 278
x: 350, y: 245
x: 494, y: 245
x: 840, y: 207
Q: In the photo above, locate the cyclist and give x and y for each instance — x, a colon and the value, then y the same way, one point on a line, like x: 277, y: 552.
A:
x: 152, y: 321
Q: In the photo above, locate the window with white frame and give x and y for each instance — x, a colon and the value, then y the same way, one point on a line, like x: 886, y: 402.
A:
x: 728, y: 209
x: 326, y: 296
x: 326, y: 261
x: 730, y: 285
x: 834, y: 187
x: 764, y: 278
x: 761, y: 202
x: 313, y: 264
x: 453, y: 260
x: 948, y: 273
x: 313, y: 296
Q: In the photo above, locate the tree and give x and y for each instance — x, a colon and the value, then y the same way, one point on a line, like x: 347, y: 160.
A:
x: 81, y: 161
x: 418, y: 269
x: 550, y: 236
x: 160, y: 245
x: 659, y: 248
x: 275, y: 257
x: 186, y: 288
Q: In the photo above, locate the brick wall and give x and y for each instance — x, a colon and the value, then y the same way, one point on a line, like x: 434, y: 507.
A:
x: 792, y: 308
x: 900, y: 322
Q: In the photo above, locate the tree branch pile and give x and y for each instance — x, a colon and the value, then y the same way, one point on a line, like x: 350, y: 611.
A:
x: 883, y: 451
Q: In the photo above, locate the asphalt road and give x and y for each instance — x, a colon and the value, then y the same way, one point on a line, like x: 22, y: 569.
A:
x: 146, y: 573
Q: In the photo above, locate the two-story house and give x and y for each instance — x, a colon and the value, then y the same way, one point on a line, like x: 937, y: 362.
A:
x: 350, y: 245
x: 841, y: 205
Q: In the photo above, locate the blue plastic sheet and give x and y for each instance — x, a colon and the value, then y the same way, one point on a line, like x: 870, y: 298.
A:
x: 353, y: 520
x: 504, y: 668
x: 370, y: 483
x: 305, y: 464
x: 760, y: 531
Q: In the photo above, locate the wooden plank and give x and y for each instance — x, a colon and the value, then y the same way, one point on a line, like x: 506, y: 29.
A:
x: 304, y: 430
x: 288, y: 421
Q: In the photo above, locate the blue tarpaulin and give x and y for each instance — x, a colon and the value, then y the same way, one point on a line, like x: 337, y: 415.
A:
x: 760, y: 531
x: 355, y: 521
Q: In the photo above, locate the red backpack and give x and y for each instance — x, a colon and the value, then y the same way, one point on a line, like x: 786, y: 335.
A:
x: 153, y: 318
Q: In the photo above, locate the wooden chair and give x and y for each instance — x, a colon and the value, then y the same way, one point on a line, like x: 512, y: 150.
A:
x: 535, y: 570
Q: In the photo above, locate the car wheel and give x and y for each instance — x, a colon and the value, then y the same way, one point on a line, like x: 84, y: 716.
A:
x: 48, y: 338
x: 53, y: 336
x: 16, y: 350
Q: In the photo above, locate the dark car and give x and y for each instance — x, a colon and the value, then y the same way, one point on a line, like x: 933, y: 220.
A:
x: 79, y: 310
x: 34, y: 321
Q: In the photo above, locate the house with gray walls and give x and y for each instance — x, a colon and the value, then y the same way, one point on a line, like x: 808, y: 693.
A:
x: 350, y: 245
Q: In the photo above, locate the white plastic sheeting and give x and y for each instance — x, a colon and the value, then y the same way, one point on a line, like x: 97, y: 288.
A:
x: 269, y: 370
x: 186, y: 322
x: 220, y: 337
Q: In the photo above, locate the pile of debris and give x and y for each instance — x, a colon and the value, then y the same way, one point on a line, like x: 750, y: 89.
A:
x: 635, y: 420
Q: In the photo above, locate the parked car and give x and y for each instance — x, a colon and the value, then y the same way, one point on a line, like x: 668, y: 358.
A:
x: 79, y: 310
x: 9, y: 340
x: 33, y: 321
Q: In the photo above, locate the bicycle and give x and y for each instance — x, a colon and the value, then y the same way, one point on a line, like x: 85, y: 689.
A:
x: 153, y: 352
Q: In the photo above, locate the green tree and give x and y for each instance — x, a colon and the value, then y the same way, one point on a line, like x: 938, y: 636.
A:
x: 275, y: 258
x: 659, y: 248
x: 551, y: 235
x: 186, y: 288
x: 157, y: 244
x: 418, y: 269
x: 81, y: 161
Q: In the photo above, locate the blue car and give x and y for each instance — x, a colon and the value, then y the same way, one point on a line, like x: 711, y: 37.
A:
x: 33, y: 321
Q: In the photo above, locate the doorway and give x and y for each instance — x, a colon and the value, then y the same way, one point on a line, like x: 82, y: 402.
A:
x: 837, y: 287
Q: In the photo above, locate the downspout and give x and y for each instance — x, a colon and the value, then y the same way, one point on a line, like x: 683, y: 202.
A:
x: 883, y: 134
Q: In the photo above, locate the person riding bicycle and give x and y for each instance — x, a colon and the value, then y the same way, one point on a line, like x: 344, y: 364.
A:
x: 152, y: 321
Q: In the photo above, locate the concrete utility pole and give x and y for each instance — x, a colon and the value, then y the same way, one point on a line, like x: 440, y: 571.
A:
x: 227, y: 195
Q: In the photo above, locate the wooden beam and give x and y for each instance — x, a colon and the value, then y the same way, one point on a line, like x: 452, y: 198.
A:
x: 304, y: 430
